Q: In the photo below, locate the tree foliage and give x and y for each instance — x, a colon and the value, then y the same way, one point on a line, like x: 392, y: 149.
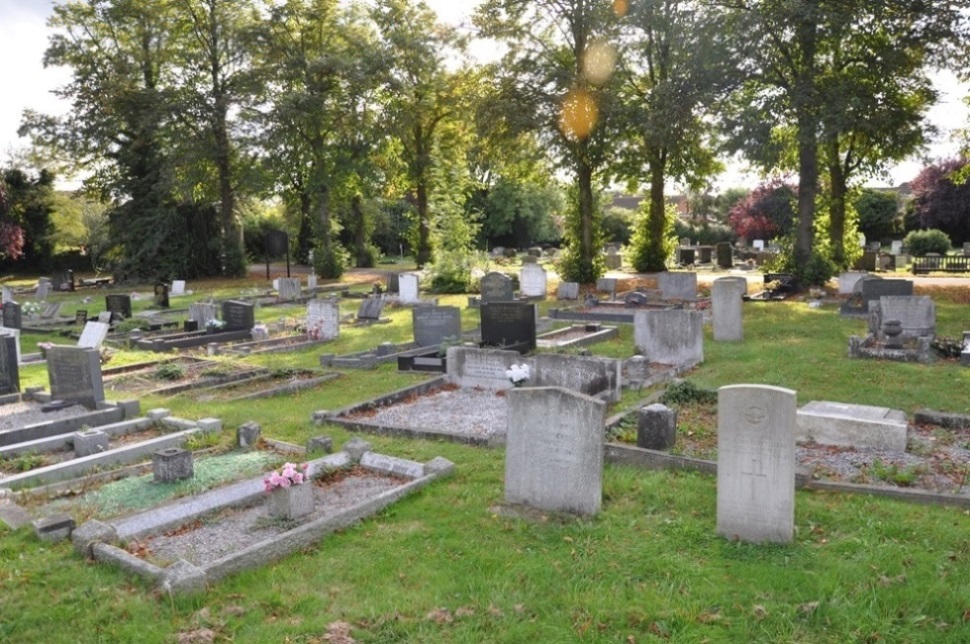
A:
x: 878, y: 213
x: 941, y: 199
x: 767, y: 212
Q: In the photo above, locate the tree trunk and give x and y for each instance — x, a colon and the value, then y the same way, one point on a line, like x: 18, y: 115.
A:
x: 838, y: 191
x: 304, y: 238
x: 360, y: 232
x: 656, y: 221
x: 587, y: 253
x: 323, y: 212
x: 424, y: 225
x: 807, y: 122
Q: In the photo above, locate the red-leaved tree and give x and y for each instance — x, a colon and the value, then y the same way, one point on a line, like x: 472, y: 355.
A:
x: 941, y: 199
x: 766, y: 213
x: 11, y: 235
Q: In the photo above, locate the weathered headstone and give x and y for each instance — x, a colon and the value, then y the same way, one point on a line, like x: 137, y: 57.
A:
x: 656, y: 427
x: 567, y: 291
x: 916, y: 314
x: 371, y: 308
x: 15, y: 334
x: 607, y: 285
x: 201, y: 313
x: 858, y: 426
x: 7, y: 294
x: 119, y: 306
x: 311, y: 283
x: 554, y: 450
x: 105, y: 317
x: 393, y: 282
x: 726, y: 308
x: 289, y: 288
x: 75, y: 375
x: 93, y: 335
x: 677, y: 285
x: 847, y: 282
x: 161, y: 295
x: 43, y: 288
x: 81, y: 316
x: 178, y: 287
x: 12, y: 315
x: 238, y: 315
x: 685, y: 256
x: 532, y: 281
x: 471, y: 367
x: 496, y: 287
x: 172, y: 464
x: 436, y: 324
x: 590, y: 375
x: 613, y: 259
x: 756, y: 463
x: 635, y: 298
x: 408, y: 289
x: 725, y: 255
x: 897, y: 247
x: 323, y: 319
x: 50, y: 311
x: 873, y: 289
x: 670, y: 337
x: 9, y: 369
x: 509, y: 324
x: 89, y: 441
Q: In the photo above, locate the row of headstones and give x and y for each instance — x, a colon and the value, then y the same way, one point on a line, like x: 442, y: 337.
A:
x: 555, y: 451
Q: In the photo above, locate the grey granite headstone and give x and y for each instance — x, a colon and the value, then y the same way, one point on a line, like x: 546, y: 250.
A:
x: 320, y: 444
x: 656, y: 427
x: 916, y: 314
x: 875, y: 289
x: 12, y: 315
x: 670, y: 337
x: 7, y: 294
x: 554, y: 450
x: 289, y: 288
x: 726, y: 308
x: 247, y: 434
x: 607, y: 285
x: 677, y: 285
x: 238, y: 315
x: 93, y: 335
x: 75, y: 375
x: 847, y: 282
x: 202, y: 313
x: 436, y: 324
x: 408, y: 288
x: 590, y: 375
x: 323, y: 319
x: 496, y: 287
x: 43, y: 289
x: 15, y: 334
x: 119, y: 306
x: 635, y: 298
x: 567, y: 291
x: 178, y: 287
x: 371, y: 308
x: 756, y: 463
x: 9, y: 369
x: 54, y: 528
x: 532, y: 281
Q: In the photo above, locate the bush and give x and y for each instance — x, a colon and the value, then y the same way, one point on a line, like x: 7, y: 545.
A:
x: 330, y: 265
x: 618, y: 225
x: 921, y: 242
x: 649, y: 255
x: 684, y: 392
x: 452, y: 270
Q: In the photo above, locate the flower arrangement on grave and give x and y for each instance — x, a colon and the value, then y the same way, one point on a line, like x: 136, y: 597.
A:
x: 30, y: 308
x: 518, y: 374
x: 214, y: 325
x: 290, y: 474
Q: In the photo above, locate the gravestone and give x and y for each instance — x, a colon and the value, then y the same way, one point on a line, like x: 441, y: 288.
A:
x: 670, y: 337
x: 66, y: 281
x: 685, y: 256
x: 289, y: 288
x: 408, y: 288
x: 532, y: 281
x: 613, y: 259
x: 238, y: 316
x: 471, y: 367
x: 848, y: 281
x: 529, y: 259
x: 756, y: 463
x: 704, y: 254
x: 9, y: 369
x: 916, y: 314
x: 607, y: 285
x: 727, y: 295
x: 635, y: 298
x: 725, y: 255
x: 554, y: 450
x: 172, y: 464
x: 656, y: 427
x: 590, y: 375
x: 6, y: 294
x: 897, y: 247
x: 567, y: 291
x: 496, y: 287
x: 161, y: 295
x: 89, y: 441
x: 202, y: 312
x: 873, y: 289
x: 50, y: 311
x: 436, y: 324
x: 323, y: 319
x: 75, y: 375
x: 758, y: 244
x: 859, y: 426
x: 15, y: 334
x: 371, y: 308
x: 104, y: 316
x: 81, y: 316
x: 178, y: 287
x: 785, y: 283
x: 43, y: 288
x: 311, y: 283
x: 509, y: 324
x: 93, y: 335
x: 13, y: 317
x: 393, y: 282
x: 677, y: 285
x: 119, y: 306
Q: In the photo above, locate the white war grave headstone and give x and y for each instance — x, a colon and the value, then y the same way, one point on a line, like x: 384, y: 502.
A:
x: 532, y: 281
x: 408, y: 289
x: 93, y: 335
x: 323, y: 319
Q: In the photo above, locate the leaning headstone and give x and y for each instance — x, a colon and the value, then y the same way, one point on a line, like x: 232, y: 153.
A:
x: 105, y: 317
x: 9, y: 369
x: 670, y: 337
x: 496, y: 287
x: 178, y: 287
x: 238, y: 315
x: 93, y: 335
x: 532, y: 281
x: 371, y: 308
x: 6, y: 294
x: 677, y: 285
x: 202, y: 313
x: 554, y: 450
x: 323, y: 319
x: 756, y: 463
x: 726, y: 308
x: 289, y: 288
x: 509, y: 324
x: 119, y: 306
x: 13, y: 315
x: 657, y: 427
x: 567, y: 291
x: 172, y: 464
x: 436, y: 324
x: 725, y: 255
x: 408, y: 289
x: 51, y: 311
x: 75, y: 375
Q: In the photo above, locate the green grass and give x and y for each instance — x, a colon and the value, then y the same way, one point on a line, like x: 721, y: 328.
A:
x: 441, y: 566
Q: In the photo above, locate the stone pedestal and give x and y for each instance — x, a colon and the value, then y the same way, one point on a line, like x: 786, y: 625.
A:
x: 657, y: 427
x: 291, y: 502
x: 91, y: 441
x: 172, y: 464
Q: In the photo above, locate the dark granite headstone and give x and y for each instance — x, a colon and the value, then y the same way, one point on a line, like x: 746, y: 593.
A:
x: 435, y: 324
x: 496, y: 287
x: 371, y: 308
x: 81, y: 317
x: 9, y: 371
x: 190, y: 325
x: 238, y: 315
x: 119, y: 306
x: 509, y: 324
x: 12, y: 315
x: 875, y: 289
x: 75, y: 375
x: 786, y: 282
x: 685, y: 256
x: 393, y: 283
x: 867, y: 262
x: 725, y: 255
x: 65, y: 281
x: 161, y: 295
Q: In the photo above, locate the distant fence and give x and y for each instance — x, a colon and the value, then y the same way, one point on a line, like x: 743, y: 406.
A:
x: 953, y: 264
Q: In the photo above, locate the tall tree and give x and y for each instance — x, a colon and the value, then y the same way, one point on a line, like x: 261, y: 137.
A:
x: 556, y: 80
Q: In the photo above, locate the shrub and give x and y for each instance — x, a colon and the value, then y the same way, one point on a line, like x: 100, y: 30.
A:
x: 684, y: 392
x: 921, y: 242
x: 330, y: 265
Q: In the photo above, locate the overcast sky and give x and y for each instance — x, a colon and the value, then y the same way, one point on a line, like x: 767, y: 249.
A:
x: 27, y: 85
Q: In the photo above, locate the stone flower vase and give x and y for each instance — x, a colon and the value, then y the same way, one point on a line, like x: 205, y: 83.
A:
x: 291, y: 502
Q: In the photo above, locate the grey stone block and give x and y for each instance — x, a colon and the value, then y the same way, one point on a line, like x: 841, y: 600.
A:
x: 53, y: 528
x: 131, y: 408
x: 158, y: 414
x: 183, y: 577
x: 90, y: 441
x: 356, y: 447
x: 657, y: 427
x: 320, y: 444
x: 87, y: 534
x: 209, y: 424
x: 248, y: 434
x: 172, y: 464
x: 320, y: 416
x: 439, y: 466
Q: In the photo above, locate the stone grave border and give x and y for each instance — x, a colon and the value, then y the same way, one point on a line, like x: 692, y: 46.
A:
x: 614, y: 316
x: 106, y: 413
x: 282, y: 390
x: 602, y: 334
x: 285, y: 344
x: 96, y: 539
x: 633, y: 456
x: 244, y: 373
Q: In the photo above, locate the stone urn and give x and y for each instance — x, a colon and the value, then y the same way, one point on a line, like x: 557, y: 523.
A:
x: 291, y: 502
x: 892, y: 329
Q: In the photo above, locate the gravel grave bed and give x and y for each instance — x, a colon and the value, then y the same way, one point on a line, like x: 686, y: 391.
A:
x: 468, y: 411
x: 21, y: 414
x: 204, y: 541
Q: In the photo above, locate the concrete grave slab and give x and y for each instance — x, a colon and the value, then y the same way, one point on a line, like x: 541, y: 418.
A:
x: 860, y: 426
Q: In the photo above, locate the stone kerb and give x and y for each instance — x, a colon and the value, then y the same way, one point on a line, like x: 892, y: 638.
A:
x: 727, y: 295
x: 860, y: 426
x: 670, y: 337
x: 554, y: 450
x: 756, y: 463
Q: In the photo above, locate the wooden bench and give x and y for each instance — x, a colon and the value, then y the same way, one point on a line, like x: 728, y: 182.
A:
x: 948, y: 264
